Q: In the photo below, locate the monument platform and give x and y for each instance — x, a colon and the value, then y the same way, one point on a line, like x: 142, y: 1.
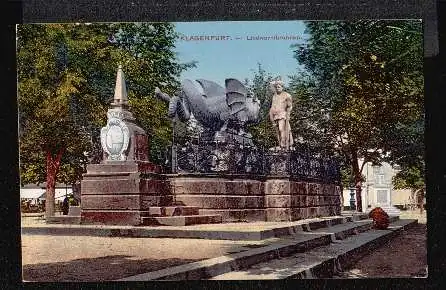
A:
x: 254, y: 231
x: 320, y: 262
x: 226, y: 180
x: 256, y: 198
x: 319, y: 253
x: 132, y: 193
x: 311, y: 253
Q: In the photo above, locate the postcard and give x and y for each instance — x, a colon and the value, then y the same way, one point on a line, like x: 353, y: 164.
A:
x: 222, y: 150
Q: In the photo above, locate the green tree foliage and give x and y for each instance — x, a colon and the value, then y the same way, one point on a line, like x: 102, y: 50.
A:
x: 263, y: 132
x: 310, y: 118
x: 407, y: 141
x: 367, y: 76
x: 409, y: 155
x: 307, y: 118
x: 148, y: 61
x: 412, y: 178
x: 66, y: 78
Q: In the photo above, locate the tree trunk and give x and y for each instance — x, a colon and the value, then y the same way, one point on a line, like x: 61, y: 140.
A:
x: 420, y: 196
x: 357, y: 179
x: 52, y: 167
x: 413, y: 197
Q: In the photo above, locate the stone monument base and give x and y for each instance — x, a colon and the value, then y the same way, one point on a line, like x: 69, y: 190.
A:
x: 132, y: 193
x: 118, y: 193
x: 127, y: 189
x: 265, y: 199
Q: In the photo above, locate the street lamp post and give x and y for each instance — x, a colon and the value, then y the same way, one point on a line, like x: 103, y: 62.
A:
x: 352, y: 198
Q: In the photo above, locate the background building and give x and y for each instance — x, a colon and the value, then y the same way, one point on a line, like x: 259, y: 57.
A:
x: 377, y: 190
x: 32, y: 197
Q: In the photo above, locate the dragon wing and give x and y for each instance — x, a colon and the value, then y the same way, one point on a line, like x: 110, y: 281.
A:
x: 211, y: 89
x: 236, y: 94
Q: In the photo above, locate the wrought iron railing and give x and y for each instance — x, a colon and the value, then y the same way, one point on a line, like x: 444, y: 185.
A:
x: 233, y: 159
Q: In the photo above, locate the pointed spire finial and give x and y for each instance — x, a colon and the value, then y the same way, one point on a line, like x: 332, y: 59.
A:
x: 120, y: 98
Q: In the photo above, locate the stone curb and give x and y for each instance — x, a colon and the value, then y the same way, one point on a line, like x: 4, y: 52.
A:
x: 324, y: 262
x: 345, y: 260
x: 328, y: 267
x: 216, y: 234
x: 212, y: 267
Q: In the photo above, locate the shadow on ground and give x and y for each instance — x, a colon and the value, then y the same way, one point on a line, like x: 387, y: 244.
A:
x: 402, y: 256
x: 96, y: 269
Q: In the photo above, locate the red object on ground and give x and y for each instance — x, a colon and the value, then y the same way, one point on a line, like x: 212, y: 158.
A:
x: 380, y: 218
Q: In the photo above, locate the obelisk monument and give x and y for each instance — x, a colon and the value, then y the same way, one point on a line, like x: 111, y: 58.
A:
x: 124, y: 185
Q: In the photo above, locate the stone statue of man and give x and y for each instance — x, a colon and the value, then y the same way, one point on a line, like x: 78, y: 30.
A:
x: 279, y: 114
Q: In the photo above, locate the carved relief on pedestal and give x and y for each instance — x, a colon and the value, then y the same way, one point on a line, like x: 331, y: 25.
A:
x: 115, y: 139
x: 120, y: 114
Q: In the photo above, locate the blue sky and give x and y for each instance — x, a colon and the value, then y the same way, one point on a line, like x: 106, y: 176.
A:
x: 238, y: 57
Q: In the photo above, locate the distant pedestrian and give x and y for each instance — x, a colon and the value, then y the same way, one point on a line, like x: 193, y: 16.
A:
x: 65, y: 205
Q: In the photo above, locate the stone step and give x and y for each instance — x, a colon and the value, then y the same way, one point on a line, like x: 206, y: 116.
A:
x: 356, y: 215
x: 185, y: 220
x: 116, y: 167
x: 173, y: 210
x: 300, y: 242
x: 320, y: 262
x: 255, y: 231
x: 66, y: 219
x: 102, y: 217
x: 390, y: 210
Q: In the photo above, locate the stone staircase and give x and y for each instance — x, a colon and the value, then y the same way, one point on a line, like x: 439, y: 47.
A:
x: 390, y: 210
x: 319, y: 248
x: 178, y: 216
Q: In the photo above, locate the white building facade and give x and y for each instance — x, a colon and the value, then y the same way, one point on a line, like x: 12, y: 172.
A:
x: 377, y: 189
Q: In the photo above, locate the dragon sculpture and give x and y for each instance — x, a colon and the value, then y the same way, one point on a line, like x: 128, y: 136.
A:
x: 219, y: 110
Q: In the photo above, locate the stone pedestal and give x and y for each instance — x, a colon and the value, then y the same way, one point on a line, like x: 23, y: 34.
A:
x: 234, y: 200
x: 118, y: 193
x: 74, y: 210
x: 278, y: 163
x: 289, y: 200
x: 270, y: 199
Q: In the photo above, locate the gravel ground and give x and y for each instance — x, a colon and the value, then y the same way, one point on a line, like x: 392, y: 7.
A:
x: 84, y: 258
x: 68, y: 258
x: 403, y: 256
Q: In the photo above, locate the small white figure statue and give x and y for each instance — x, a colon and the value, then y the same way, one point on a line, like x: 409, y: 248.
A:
x: 279, y: 114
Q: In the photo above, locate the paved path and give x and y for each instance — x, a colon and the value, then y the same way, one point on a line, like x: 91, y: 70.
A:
x: 404, y: 256
x: 87, y: 258
x: 68, y: 258
x: 421, y: 217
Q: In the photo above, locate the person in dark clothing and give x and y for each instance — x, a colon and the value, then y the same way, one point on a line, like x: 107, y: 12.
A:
x: 65, y: 206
